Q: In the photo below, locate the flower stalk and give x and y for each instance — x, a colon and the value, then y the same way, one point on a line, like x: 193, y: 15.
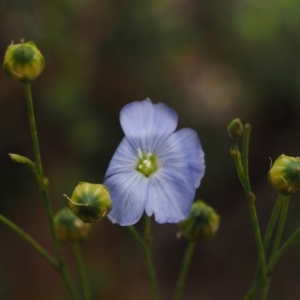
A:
x: 184, y: 269
x: 281, y: 224
x: 243, y: 174
x: 43, y: 187
x: 82, y: 271
x: 144, y: 244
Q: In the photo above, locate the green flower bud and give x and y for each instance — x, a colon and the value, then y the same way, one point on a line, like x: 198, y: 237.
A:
x: 284, y: 175
x: 202, y: 223
x: 69, y: 228
x: 23, y: 62
x: 19, y: 158
x: 90, y: 202
x: 235, y: 129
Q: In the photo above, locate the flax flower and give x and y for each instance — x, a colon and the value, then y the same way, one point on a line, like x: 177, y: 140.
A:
x: 154, y: 169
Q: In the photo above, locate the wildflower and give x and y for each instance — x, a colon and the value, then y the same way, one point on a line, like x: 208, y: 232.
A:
x: 154, y: 168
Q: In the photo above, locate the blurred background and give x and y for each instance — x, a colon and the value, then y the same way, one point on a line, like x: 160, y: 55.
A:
x: 211, y: 61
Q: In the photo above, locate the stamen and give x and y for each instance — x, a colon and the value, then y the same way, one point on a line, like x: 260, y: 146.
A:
x: 147, y: 163
x: 140, y: 154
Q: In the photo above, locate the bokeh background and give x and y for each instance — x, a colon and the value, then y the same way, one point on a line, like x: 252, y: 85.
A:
x: 211, y: 61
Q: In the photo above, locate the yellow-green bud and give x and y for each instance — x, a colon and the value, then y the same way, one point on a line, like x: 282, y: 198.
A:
x: 284, y: 175
x: 90, y: 202
x: 69, y: 228
x: 235, y: 129
x: 23, y: 62
x: 19, y: 158
x: 202, y: 223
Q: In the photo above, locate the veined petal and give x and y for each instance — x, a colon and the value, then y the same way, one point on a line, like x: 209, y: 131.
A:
x: 183, y: 150
x: 128, y: 194
x: 124, y: 159
x: 170, y: 196
x: 145, y: 124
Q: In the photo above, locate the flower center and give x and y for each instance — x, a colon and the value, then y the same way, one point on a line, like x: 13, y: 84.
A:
x: 147, y: 163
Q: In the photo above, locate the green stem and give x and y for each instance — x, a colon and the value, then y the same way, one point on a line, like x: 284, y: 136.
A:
x: 136, y: 236
x: 33, y: 130
x: 272, y: 221
x: 283, y: 250
x: 251, y: 293
x: 245, y: 154
x: 144, y: 244
x: 243, y: 173
x: 82, y: 271
x: 251, y: 201
x: 27, y: 238
x: 259, y: 244
x: 43, y: 186
x: 278, y: 234
x: 281, y: 225
x: 184, y: 269
x: 148, y: 258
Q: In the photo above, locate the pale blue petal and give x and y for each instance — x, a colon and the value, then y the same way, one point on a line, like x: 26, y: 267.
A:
x: 128, y: 192
x: 170, y: 196
x: 128, y: 187
x: 146, y: 124
x: 124, y: 160
x: 183, y: 150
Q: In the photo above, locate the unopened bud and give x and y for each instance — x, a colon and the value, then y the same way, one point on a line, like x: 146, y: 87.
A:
x: 235, y: 129
x: 284, y: 175
x: 23, y: 62
x: 202, y: 223
x: 90, y: 202
x: 69, y: 228
x: 18, y: 158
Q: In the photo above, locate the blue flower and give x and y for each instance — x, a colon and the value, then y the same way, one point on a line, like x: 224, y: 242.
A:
x: 154, y: 168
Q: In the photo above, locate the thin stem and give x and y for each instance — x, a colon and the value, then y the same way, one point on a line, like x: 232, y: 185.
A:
x: 148, y: 258
x: 144, y: 244
x: 251, y: 293
x: 136, y: 236
x: 259, y: 244
x: 184, y: 269
x: 283, y: 250
x: 43, y: 186
x: 33, y: 130
x: 82, y: 270
x: 251, y: 203
x: 281, y: 225
x: 31, y: 241
x: 243, y: 174
x: 272, y: 221
x: 245, y: 154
